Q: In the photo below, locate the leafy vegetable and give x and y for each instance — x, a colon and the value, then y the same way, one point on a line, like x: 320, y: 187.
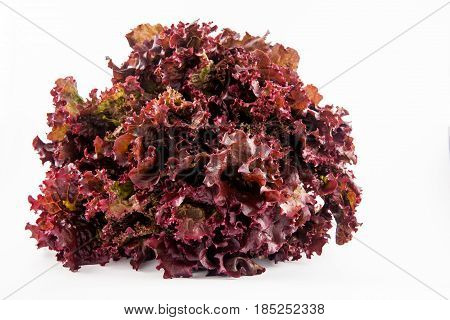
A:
x: 207, y: 152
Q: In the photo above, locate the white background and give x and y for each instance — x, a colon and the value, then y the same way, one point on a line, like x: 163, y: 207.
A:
x: 400, y: 109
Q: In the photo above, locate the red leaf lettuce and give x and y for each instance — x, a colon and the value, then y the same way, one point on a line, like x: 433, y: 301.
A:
x: 207, y: 152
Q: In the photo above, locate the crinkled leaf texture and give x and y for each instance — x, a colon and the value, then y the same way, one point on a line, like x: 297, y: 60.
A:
x: 207, y: 152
